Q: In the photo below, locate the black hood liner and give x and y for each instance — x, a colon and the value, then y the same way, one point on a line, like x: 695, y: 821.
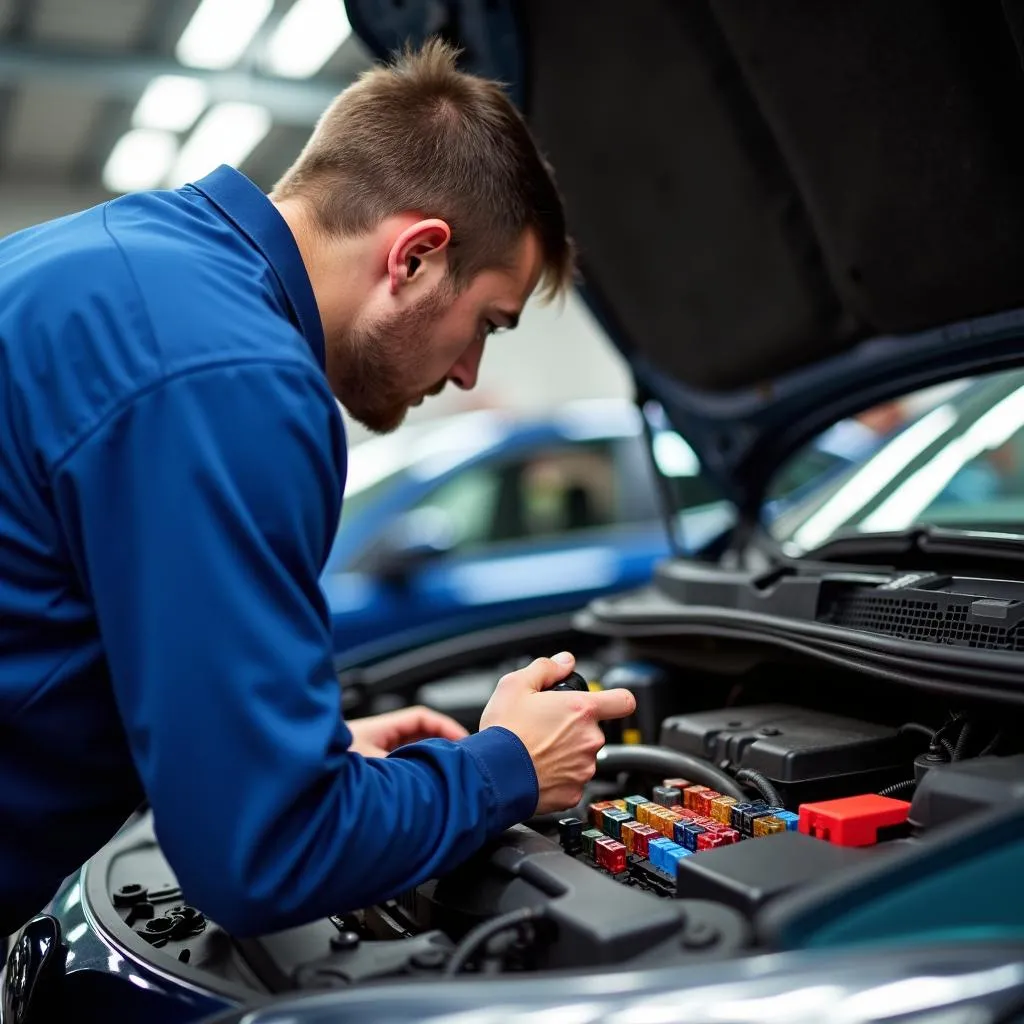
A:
x: 756, y: 185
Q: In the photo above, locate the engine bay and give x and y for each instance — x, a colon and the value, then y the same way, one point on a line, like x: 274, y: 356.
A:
x: 714, y: 807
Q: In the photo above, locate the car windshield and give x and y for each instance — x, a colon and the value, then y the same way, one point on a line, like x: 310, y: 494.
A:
x: 951, y: 456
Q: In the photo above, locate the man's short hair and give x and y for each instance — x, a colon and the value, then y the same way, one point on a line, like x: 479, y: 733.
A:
x: 420, y: 135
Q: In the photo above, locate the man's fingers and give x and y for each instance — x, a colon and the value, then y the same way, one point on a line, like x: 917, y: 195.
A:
x: 441, y: 726
x: 424, y: 723
x: 613, y: 704
x: 540, y: 673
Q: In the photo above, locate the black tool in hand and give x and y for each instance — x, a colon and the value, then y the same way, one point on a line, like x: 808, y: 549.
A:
x: 573, y: 681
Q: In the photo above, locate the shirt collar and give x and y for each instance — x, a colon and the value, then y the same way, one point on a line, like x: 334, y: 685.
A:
x: 254, y: 215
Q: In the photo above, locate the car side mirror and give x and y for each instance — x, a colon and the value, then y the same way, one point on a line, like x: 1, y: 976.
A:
x: 410, y: 542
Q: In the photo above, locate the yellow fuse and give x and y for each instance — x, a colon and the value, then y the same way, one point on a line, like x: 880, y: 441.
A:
x: 621, y: 804
x: 667, y: 823
x: 721, y: 808
x: 628, y: 834
x: 768, y: 825
x: 643, y: 812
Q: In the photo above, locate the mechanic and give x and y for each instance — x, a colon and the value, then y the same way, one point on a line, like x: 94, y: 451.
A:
x: 172, y: 463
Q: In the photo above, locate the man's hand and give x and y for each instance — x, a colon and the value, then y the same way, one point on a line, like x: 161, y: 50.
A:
x: 559, y: 730
x: 378, y: 735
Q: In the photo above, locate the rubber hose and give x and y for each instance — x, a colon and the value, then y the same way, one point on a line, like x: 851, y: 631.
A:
x: 666, y: 763
x: 961, y: 743
x: 475, y: 940
x: 762, y: 784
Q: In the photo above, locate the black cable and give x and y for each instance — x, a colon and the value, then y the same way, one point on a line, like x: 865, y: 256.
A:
x: 761, y: 784
x: 898, y: 787
x: 476, y: 937
x: 991, y: 745
x: 919, y: 728
x: 666, y: 763
x: 961, y: 743
x: 932, y: 734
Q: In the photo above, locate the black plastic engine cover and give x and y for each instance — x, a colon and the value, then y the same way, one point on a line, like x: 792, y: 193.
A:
x: 807, y: 754
x: 954, y: 791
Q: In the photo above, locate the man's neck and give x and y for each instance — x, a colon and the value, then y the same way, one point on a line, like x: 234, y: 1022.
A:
x: 332, y: 265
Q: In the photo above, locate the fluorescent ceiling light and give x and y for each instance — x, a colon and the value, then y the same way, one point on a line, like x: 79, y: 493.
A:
x: 171, y: 103
x: 220, y: 31
x: 226, y: 134
x: 140, y: 159
x: 306, y: 37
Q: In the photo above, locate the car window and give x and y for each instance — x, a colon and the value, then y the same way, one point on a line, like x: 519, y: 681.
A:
x: 547, y: 494
x: 951, y: 456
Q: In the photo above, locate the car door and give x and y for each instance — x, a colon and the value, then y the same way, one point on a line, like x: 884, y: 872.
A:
x: 530, y: 534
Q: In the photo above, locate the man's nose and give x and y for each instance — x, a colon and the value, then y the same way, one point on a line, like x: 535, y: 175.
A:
x: 464, y: 372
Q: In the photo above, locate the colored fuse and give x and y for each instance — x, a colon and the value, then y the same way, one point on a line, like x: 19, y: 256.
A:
x: 679, y: 784
x: 789, y: 819
x: 666, y: 796
x: 703, y: 820
x: 634, y: 803
x: 720, y: 808
x: 691, y: 833
x: 611, y: 855
x: 642, y: 837
x: 628, y: 834
x: 613, y: 819
x: 736, y: 815
x: 667, y: 823
x: 621, y: 805
x: 738, y: 810
x: 594, y: 812
x: 657, y: 850
x: 673, y: 857
x: 644, y: 812
x: 681, y: 809
x: 768, y: 826
x: 690, y: 795
x: 678, y: 826
x: 589, y: 837
x: 749, y: 817
x: 703, y: 802
x: 709, y: 840
x: 727, y: 835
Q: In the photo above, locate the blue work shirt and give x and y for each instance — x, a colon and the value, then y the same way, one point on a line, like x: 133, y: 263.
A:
x: 172, y: 465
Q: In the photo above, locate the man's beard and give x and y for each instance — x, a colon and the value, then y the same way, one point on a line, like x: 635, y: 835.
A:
x: 381, y: 365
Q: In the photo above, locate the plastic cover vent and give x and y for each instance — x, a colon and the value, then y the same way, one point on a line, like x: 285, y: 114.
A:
x: 912, y: 619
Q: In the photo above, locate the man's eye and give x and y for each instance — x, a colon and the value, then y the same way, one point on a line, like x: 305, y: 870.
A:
x: 490, y: 328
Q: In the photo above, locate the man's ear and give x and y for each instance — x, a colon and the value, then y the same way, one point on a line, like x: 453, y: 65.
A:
x: 419, y: 252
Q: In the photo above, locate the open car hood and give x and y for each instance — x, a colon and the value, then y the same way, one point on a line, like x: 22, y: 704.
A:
x: 786, y: 213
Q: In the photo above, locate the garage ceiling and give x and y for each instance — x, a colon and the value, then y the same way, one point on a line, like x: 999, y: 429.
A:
x: 256, y: 75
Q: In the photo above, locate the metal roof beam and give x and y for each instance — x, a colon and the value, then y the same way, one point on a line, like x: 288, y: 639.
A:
x: 125, y: 75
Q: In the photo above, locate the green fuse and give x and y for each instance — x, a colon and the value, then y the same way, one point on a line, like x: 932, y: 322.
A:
x: 613, y: 820
x: 589, y: 838
x: 633, y: 804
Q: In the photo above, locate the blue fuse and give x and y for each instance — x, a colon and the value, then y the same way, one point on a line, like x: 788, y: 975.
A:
x: 672, y: 859
x: 656, y: 851
x: 690, y: 833
x: 792, y: 820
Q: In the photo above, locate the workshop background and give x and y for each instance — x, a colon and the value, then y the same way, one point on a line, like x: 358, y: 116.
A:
x: 99, y: 97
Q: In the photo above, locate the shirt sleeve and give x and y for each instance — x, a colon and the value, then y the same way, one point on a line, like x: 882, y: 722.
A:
x: 200, y: 514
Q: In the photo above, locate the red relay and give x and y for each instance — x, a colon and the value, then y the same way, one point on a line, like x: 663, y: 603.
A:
x: 853, y: 821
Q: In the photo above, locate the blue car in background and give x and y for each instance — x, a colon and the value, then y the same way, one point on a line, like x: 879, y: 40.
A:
x: 485, y: 518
